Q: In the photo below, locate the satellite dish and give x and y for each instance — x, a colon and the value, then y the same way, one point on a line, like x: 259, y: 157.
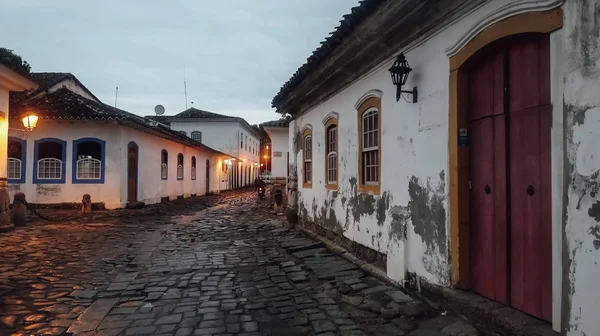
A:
x: 159, y: 109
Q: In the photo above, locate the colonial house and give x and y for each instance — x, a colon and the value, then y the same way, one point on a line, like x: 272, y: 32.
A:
x: 279, y: 150
x: 458, y: 142
x: 82, y: 146
x: 11, y: 80
x: 228, y: 134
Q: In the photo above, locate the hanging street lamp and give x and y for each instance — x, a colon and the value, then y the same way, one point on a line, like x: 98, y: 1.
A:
x: 400, y: 71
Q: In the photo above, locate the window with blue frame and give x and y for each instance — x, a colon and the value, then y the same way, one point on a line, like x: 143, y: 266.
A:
x: 180, y: 166
x: 17, y: 156
x: 88, y: 161
x: 164, y: 164
x: 49, y: 157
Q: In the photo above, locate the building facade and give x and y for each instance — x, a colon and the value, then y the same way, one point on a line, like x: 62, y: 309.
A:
x: 489, y: 181
x: 82, y: 146
x: 230, y: 135
x: 278, y: 152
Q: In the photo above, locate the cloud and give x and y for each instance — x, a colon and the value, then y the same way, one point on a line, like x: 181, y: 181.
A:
x: 236, y: 53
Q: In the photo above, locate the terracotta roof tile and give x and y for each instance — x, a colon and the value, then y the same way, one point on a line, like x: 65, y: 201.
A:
x: 348, y: 23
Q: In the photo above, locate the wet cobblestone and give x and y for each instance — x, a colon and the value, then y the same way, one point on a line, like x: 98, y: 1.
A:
x: 191, y: 269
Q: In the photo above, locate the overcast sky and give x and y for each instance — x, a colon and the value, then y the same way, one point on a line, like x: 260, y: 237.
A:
x: 237, y: 53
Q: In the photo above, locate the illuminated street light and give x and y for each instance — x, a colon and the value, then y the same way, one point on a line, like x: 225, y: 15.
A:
x: 30, y: 121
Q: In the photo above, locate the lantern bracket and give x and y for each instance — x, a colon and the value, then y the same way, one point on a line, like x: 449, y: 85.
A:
x: 414, y: 94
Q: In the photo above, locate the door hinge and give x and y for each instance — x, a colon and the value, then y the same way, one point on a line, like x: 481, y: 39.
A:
x: 470, y: 186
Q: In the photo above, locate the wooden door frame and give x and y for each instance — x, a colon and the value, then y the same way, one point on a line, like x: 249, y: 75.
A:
x: 531, y: 22
x: 137, y: 160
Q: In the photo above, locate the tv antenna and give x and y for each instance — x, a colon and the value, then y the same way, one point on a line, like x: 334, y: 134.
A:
x: 185, y: 88
x: 159, y: 109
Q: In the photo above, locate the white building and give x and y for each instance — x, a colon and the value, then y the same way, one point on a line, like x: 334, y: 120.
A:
x: 230, y: 135
x: 489, y: 182
x: 10, y: 81
x: 82, y: 146
x: 279, y: 149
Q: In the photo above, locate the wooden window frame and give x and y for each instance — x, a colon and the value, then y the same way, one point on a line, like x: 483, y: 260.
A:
x: 332, y: 122
x: 365, y: 106
x: 307, y: 184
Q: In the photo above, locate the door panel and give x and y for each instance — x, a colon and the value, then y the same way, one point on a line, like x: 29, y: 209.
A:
x: 530, y: 191
x: 488, y: 208
x: 488, y: 176
x: 487, y: 86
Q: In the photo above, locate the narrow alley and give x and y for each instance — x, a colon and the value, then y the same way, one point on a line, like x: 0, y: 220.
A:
x: 212, y: 265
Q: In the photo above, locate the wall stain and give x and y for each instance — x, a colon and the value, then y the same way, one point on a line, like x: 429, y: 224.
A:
x: 383, y: 203
x: 595, y: 231
x: 594, y: 211
x: 47, y: 190
x: 585, y: 37
x: 400, y: 220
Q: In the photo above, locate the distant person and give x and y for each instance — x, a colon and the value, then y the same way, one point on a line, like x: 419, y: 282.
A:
x: 260, y: 183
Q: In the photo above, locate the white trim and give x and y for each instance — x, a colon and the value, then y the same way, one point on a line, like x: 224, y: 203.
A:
x: 331, y: 115
x: 557, y: 164
x: 512, y: 9
x: 307, y: 127
x: 367, y: 95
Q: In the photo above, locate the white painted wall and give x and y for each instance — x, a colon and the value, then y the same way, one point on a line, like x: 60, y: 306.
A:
x: 224, y: 136
x: 415, y: 161
x: 279, y: 143
x: 114, y: 190
x: 68, y: 192
x: 580, y: 67
x: 149, y: 161
x: 72, y: 86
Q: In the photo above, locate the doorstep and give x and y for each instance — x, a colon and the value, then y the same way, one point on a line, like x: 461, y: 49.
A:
x: 489, y: 315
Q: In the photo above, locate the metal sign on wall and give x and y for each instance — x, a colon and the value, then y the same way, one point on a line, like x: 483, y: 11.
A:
x: 277, y: 154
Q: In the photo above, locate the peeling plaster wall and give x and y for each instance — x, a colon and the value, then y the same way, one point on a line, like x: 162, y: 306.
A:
x: 408, y: 220
x: 581, y: 245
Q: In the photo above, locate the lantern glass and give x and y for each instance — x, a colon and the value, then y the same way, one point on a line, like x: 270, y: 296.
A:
x: 400, y: 70
x: 30, y: 121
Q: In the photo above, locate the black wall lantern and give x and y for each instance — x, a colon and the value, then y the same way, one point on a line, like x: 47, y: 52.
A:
x: 399, y: 71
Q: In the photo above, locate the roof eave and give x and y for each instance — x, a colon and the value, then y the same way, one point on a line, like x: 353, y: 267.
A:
x: 15, y: 81
x: 376, y: 40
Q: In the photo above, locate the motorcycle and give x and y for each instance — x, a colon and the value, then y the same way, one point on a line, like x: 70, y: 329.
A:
x: 261, y: 192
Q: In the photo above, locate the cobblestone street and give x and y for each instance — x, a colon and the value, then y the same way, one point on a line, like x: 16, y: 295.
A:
x: 201, y: 266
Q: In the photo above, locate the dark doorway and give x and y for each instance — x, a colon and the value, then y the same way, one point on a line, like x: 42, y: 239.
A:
x: 132, y: 171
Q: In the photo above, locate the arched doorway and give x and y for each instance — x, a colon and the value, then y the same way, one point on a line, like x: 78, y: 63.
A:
x: 132, y: 171
x: 500, y: 188
x: 510, y: 116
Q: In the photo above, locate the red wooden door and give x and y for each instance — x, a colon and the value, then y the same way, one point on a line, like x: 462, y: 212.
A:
x: 488, y: 178
x: 510, y: 115
x: 530, y: 116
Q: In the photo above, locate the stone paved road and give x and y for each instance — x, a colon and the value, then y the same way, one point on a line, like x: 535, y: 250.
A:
x: 223, y: 267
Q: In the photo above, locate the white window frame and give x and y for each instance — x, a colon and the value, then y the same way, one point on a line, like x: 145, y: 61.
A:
x: 332, y: 154
x: 49, y: 161
x: 193, y: 136
x: 179, y: 172
x: 164, y: 171
x: 94, y: 165
x: 14, y: 168
x: 370, y: 138
x: 307, y: 157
